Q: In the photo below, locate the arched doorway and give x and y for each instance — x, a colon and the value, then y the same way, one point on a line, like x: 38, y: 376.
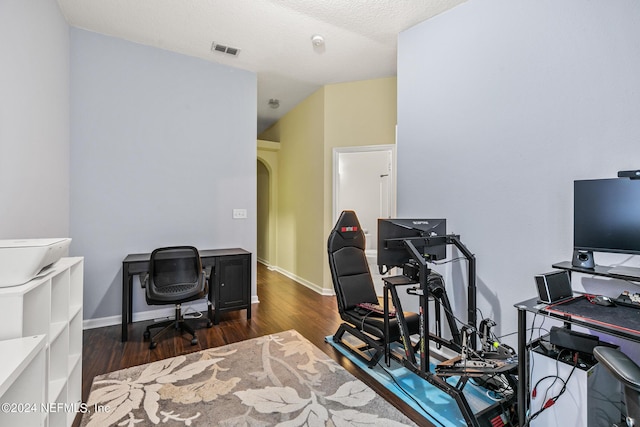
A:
x: 263, y: 204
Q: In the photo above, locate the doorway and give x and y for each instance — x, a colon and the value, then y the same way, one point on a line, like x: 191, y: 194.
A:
x: 263, y: 207
x: 364, y: 180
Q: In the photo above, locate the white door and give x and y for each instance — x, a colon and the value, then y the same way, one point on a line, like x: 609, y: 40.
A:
x: 364, y: 181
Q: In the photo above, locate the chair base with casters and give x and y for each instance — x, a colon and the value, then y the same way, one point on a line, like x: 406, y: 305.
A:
x: 627, y: 372
x: 177, y: 323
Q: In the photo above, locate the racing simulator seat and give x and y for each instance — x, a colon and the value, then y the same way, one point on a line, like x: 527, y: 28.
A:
x: 358, y: 303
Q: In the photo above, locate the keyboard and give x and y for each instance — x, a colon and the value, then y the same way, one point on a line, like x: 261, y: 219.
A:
x: 629, y: 299
x: 376, y: 308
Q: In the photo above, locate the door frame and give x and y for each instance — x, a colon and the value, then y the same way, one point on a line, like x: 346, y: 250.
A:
x: 361, y: 149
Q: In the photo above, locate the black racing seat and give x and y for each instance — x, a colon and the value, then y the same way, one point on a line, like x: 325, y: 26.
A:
x: 627, y: 372
x: 353, y: 285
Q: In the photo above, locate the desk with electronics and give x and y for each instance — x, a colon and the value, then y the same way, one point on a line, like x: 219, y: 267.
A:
x: 569, y: 377
x: 557, y: 354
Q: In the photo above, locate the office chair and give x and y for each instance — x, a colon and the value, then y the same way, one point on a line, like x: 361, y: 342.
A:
x: 353, y: 284
x: 175, y: 277
x: 627, y: 372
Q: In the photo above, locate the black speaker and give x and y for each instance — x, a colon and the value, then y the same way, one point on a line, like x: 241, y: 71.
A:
x: 583, y: 259
x: 554, y: 286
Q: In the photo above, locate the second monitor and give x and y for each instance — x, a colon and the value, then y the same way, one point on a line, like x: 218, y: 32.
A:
x: 392, y: 233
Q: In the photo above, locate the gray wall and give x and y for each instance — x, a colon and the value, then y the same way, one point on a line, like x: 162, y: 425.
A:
x: 34, y: 120
x: 501, y: 105
x: 163, y: 149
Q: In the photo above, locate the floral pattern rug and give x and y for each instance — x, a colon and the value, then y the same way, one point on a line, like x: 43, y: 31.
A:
x: 275, y: 380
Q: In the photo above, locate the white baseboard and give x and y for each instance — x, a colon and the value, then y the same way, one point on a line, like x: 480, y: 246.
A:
x: 318, y: 289
x: 168, y: 311
x: 160, y: 313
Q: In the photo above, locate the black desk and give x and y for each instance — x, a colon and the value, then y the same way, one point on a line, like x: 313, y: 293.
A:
x: 620, y: 330
x: 135, y: 264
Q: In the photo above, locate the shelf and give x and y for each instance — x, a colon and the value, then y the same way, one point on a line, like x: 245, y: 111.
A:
x: 17, y: 354
x: 21, y: 379
x: 601, y: 270
x: 55, y: 329
x: 74, y: 310
x: 36, y: 311
x: 74, y: 360
x: 55, y: 389
x: 49, y: 306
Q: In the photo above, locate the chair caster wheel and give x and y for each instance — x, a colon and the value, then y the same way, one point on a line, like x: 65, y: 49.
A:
x: 153, y: 345
x: 146, y: 335
x: 209, y: 323
x: 194, y: 341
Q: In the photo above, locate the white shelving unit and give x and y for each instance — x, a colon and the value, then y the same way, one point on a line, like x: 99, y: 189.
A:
x: 50, y: 305
x: 22, y: 376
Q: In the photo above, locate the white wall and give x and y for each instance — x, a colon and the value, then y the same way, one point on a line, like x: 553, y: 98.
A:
x: 501, y: 105
x: 163, y: 149
x: 34, y: 120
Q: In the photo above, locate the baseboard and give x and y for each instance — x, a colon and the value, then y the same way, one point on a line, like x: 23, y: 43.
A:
x: 318, y: 289
x: 142, y: 316
x: 266, y: 264
x: 149, y: 315
x: 101, y: 322
x: 168, y: 311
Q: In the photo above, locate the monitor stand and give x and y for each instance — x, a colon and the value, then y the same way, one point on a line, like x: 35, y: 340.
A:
x: 582, y: 259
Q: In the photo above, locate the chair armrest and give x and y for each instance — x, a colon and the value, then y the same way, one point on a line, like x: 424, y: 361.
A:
x: 620, y: 366
x: 205, y: 279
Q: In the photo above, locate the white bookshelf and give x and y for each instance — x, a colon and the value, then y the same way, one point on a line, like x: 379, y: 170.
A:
x: 22, y: 374
x: 49, y: 306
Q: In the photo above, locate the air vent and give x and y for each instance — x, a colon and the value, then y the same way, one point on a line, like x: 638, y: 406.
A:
x: 233, y: 51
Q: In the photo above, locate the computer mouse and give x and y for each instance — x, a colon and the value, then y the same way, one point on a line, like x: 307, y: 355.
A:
x: 603, y: 300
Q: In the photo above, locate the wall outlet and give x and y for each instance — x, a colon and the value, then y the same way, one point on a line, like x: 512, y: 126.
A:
x: 239, y: 214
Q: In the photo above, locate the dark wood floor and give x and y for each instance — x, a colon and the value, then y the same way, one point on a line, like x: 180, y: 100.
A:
x: 284, y: 304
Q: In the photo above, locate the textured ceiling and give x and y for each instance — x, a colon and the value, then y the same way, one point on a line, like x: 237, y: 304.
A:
x: 274, y: 37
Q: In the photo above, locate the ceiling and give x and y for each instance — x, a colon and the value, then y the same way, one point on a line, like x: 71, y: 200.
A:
x: 274, y: 37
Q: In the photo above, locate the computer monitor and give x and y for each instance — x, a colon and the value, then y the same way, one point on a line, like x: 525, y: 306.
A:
x: 391, y: 233
x: 606, y: 215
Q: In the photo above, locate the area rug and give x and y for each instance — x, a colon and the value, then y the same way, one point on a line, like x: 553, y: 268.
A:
x: 275, y: 380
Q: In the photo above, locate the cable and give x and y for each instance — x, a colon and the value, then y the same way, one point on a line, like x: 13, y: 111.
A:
x: 191, y: 313
x: 547, y: 403
x: 448, y: 261
x: 363, y: 320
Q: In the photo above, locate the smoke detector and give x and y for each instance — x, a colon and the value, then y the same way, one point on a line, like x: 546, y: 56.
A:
x: 317, y: 40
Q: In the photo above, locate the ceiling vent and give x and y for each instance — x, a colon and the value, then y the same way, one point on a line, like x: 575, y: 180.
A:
x: 233, y: 51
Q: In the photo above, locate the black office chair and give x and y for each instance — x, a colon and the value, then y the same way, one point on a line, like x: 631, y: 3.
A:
x: 353, y: 284
x: 627, y: 372
x: 175, y: 277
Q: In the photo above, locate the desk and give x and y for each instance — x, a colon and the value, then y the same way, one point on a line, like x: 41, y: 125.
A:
x: 226, y: 264
x: 532, y: 306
